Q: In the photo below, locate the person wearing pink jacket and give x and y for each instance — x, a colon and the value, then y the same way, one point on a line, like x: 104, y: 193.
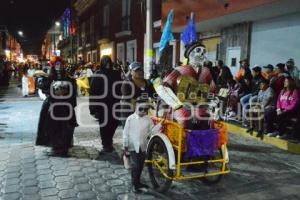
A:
x: 287, y: 105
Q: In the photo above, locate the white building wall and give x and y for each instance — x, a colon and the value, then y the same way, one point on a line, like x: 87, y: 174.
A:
x: 275, y: 40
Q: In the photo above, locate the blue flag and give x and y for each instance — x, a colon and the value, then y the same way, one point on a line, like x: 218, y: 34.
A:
x: 190, y: 35
x: 167, y: 34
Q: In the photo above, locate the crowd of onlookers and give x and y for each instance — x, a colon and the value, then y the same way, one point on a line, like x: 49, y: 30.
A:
x: 262, y: 98
x: 268, y: 97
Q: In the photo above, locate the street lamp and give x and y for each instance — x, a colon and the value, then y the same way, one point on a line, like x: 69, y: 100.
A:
x: 20, y: 33
x: 57, y: 23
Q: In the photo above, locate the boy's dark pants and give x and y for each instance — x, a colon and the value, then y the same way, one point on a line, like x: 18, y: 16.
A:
x: 137, y: 164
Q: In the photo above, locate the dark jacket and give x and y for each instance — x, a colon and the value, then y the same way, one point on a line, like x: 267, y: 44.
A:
x: 127, y: 90
x: 104, y: 90
x: 246, y: 82
x: 224, y: 78
x: 256, y: 84
x: 131, y: 92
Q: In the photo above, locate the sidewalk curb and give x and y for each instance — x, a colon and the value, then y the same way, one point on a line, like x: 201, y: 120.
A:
x: 279, y: 143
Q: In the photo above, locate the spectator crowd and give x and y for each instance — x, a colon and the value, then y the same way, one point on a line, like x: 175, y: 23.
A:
x: 268, y: 97
x: 261, y: 98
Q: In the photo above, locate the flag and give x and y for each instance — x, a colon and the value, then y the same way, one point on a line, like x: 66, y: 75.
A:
x: 189, y: 35
x: 167, y: 34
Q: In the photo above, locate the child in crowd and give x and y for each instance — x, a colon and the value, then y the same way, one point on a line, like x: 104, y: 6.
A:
x: 137, y: 129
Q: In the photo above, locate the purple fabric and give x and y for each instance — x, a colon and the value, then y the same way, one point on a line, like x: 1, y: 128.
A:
x: 201, y: 143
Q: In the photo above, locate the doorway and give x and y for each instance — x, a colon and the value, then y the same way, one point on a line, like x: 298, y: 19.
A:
x: 233, y: 56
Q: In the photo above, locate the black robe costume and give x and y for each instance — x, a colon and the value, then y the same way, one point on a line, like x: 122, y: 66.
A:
x: 57, y: 133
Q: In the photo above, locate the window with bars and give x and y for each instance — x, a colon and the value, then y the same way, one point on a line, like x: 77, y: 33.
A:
x: 105, y: 21
x: 92, y: 29
x: 92, y: 24
x: 126, y: 13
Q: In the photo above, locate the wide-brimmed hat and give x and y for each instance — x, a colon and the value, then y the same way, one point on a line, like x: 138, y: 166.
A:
x: 189, y: 48
x: 40, y: 73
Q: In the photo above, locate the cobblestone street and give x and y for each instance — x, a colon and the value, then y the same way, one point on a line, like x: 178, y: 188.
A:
x: 258, y: 171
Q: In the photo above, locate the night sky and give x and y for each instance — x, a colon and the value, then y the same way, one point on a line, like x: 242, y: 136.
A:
x: 33, y: 17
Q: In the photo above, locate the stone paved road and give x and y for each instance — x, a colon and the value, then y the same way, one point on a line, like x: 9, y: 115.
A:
x: 259, y: 171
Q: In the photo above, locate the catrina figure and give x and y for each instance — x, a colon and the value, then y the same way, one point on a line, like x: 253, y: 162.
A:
x: 57, y: 117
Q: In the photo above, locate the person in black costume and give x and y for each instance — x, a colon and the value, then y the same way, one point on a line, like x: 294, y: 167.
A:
x: 57, y: 117
x: 101, y: 92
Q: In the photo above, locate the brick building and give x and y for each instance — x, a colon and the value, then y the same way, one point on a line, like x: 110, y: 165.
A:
x: 113, y: 27
x: 9, y: 46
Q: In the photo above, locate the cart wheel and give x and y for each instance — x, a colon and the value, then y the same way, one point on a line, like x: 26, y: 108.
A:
x: 210, y: 167
x: 157, y: 151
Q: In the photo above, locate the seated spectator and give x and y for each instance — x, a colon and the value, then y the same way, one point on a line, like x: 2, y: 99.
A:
x: 287, y: 104
x: 293, y: 70
x: 224, y: 77
x: 252, y: 96
x: 244, y: 78
x: 244, y: 71
x: 219, y: 65
x: 277, y: 81
x: 263, y: 110
x: 257, y: 79
x: 234, y: 97
x: 269, y: 72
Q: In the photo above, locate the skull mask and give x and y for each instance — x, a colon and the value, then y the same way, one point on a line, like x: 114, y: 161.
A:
x: 195, y: 53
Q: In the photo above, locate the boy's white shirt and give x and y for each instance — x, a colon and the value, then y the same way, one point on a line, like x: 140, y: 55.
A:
x: 136, y: 131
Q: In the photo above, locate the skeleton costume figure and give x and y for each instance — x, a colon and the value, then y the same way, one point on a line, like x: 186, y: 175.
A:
x: 57, y: 117
x: 196, y: 68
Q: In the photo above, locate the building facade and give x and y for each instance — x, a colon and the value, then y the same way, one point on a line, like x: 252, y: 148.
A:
x: 68, y: 38
x: 50, y: 45
x: 263, y: 31
x: 10, y: 48
x: 113, y: 27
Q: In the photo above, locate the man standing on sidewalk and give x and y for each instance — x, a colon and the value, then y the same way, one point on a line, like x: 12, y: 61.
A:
x: 102, y: 100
